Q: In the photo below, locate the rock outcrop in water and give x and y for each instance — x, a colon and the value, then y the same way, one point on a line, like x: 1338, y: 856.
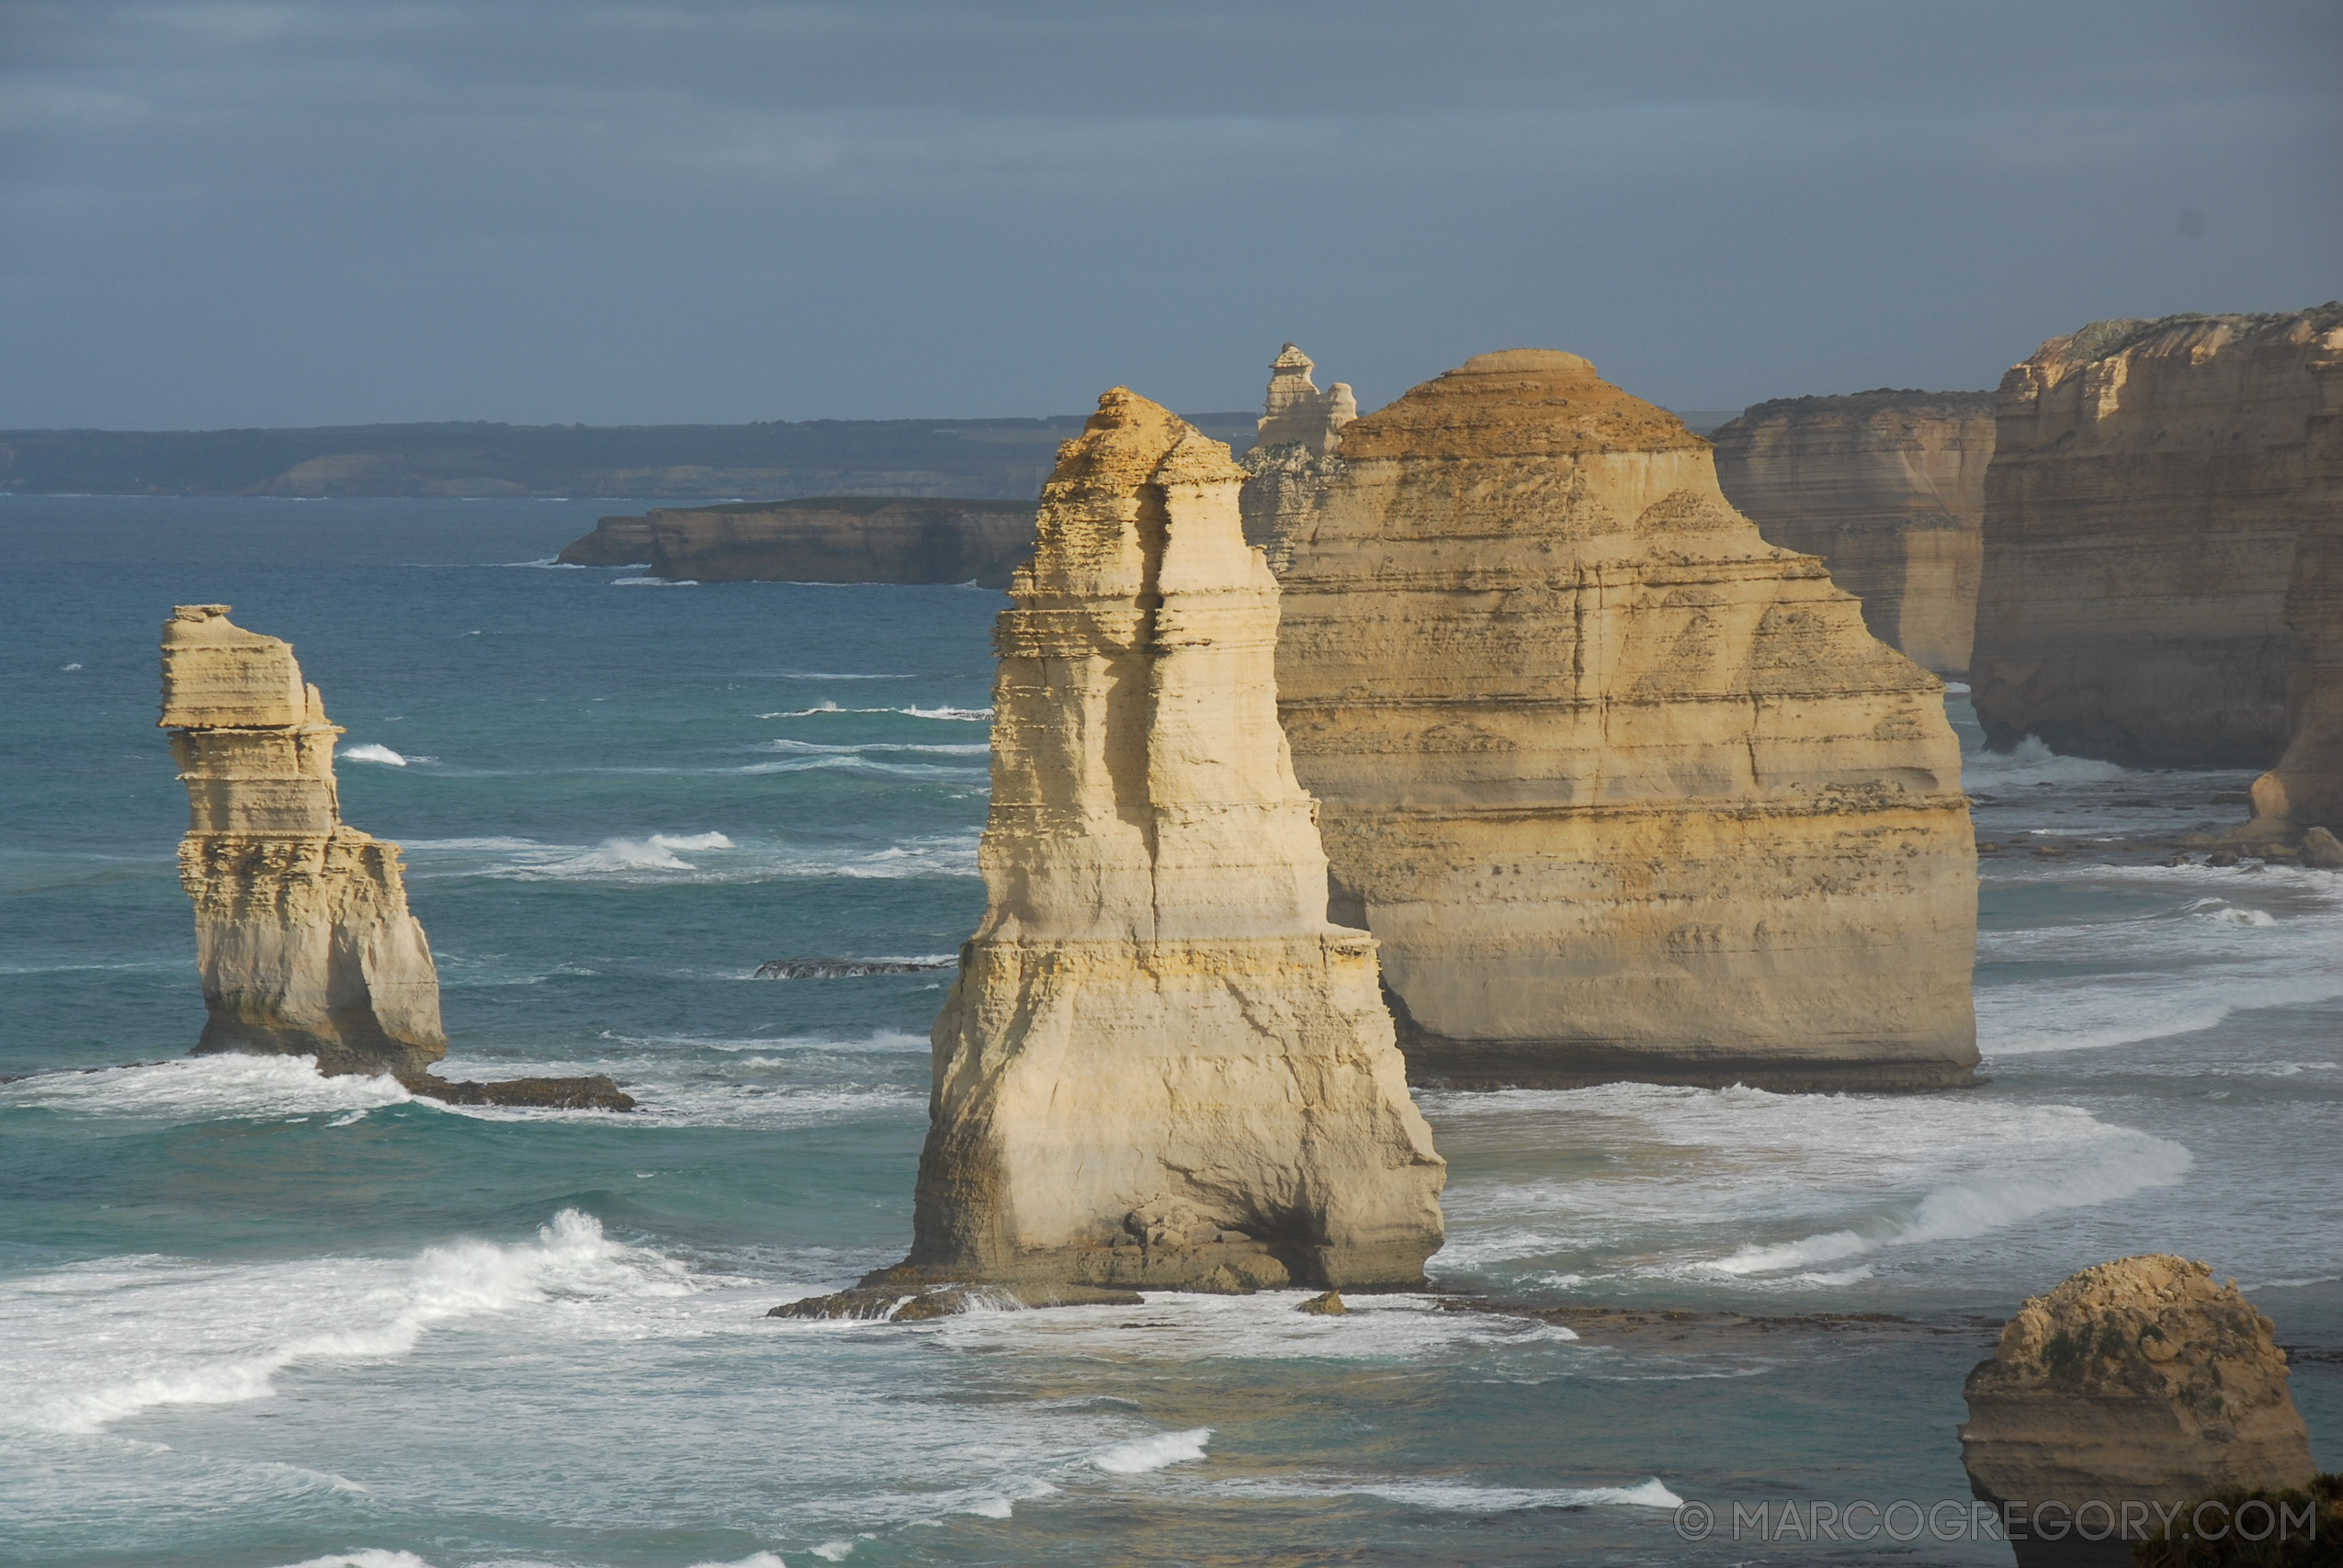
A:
x: 1160, y: 1065
x: 301, y: 926
x: 303, y: 932
x: 2138, y: 1381
x: 1623, y: 790
x: 1888, y: 488
x: 1295, y: 413
x: 839, y: 539
x: 2151, y: 484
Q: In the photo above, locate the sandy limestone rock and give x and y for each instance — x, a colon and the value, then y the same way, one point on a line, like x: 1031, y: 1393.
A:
x: 2160, y: 530
x: 1296, y: 413
x: 2140, y: 1378
x: 1623, y: 790
x: 303, y: 932
x: 1888, y: 488
x: 1161, y: 1065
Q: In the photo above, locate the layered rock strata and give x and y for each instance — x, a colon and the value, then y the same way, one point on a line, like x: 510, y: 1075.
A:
x: 303, y: 932
x: 1295, y: 413
x: 1160, y: 1064
x: 1623, y: 790
x: 1888, y: 488
x: 2151, y: 482
x: 840, y: 539
x: 2139, y: 1382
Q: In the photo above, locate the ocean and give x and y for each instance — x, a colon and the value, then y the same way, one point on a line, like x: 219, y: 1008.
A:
x: 251, y: 1317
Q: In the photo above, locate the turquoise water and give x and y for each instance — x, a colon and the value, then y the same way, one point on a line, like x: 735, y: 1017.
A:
x: 250, y: 1317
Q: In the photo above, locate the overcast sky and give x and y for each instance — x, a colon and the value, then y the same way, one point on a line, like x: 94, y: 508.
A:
x: 557, y: 210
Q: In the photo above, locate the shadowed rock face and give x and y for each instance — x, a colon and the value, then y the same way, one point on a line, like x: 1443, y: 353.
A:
x: 2140, y: 1380
x: 303, y: 932
x: 1160, y: 1064
x: 1623, y: 790
x: 1888, y: 489
x: 2154, y: 490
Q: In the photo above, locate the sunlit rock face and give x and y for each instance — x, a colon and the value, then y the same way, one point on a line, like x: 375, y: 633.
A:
x: 1161, y: 1065
x: 302, y: 934
x: 1623, y: 790
x: 2159, y: 584
x: 1888, y: 489
x: 2140, y: 1380
x: 1296, y: 415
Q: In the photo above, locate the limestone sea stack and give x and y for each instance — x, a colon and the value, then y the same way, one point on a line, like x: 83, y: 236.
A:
x: 1295, y: 413
x: 1888, y: 488
x: 1623, y: 790
x: 1160, y: 1064
x: 303, y: 932
x: 2140, y: 1380
x: 2151, y: 484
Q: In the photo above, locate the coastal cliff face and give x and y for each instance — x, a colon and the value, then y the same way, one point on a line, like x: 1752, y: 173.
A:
x: 1888, y: 489
x: 1623, y: 790
x: 2140, y: 1380
x: 842, y: 539
x: 303, y: 932
x: 1160, y: 1065
x: 2150, y: 484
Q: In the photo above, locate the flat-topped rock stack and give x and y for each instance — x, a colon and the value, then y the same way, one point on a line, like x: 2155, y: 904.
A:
x: 2153, y: 588
x: 2140, y: 1381
x: 303, y: 932
x: 1888, y: 488
x: 1160, y: 1064
x: 1623, y: 790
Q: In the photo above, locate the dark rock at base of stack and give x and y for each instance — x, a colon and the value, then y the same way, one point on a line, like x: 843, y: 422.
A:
x: 595, y: 1092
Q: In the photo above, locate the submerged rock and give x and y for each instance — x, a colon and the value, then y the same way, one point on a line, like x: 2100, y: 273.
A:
x: 1888, y: 488
x: 2139, y: 1380
x: 1327, y: 1305
x: 2322, y: 850
x: 2161, y: 510
x: 917, y: 1303
x: 597, y: 1092
x: 303, y: 934
x: 1622, y: 791
x: 1160, y: 1064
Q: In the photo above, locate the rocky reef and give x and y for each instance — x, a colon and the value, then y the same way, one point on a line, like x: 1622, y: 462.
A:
x: 1295, y: 413
x: 303, y: 934
x: 1160, y: 1064
x: 2149, y: 585
x: 2141, y: 1381
x: 1888, y: 488
x: 1623, y: 790
x: 837, y: 539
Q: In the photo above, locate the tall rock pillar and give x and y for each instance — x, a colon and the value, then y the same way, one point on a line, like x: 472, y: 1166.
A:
x: 1161, y: 1065
x: 303, y: 932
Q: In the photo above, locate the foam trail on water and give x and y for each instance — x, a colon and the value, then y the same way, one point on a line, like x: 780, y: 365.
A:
x: 1143, y: 1454
x: 206, y: 1088
x: 94, y: 1344
x: 369, y: 751
x: 2033, y: 762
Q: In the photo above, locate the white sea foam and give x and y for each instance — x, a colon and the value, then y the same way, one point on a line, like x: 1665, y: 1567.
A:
x: 957, y: 715
x: 753, y: 1559
x: 656, y: 857
x: 206, y: 1088
x: 654, y: 582
x: 92, y: 1344
x: 365, y: 1556
x: 369, y: 751
x: 1458, y: 1496
x: 1154, y: 1453
x: 1955, y: 689
x: 2033, y: 762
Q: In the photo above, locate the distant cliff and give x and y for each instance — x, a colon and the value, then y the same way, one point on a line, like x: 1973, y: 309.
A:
x: 829, y: 540
x: 2151, y: 482
x: 1888, y: 488
x: 824, y: 456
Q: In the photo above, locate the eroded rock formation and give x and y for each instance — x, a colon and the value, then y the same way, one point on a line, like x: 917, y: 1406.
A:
x: 303, y: 932
x: 2141, y: 1380
x: 1888, y: 488
x: 2150, y: 483
x: 836, y: 539
x: 1295, y: 413
x: 1623, y: 790
x: 1160, y: 1064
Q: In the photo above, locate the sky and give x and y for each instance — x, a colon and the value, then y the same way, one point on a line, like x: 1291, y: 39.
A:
x: 557, y: 211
